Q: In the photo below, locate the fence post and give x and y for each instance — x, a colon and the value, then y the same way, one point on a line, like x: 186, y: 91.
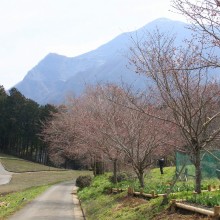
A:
x: 130, y: 191
x: 173, y: 205
x: 153, y: 194
x: 216, y: 212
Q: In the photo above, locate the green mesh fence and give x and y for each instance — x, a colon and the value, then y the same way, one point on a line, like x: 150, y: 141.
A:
x: 210, y: 164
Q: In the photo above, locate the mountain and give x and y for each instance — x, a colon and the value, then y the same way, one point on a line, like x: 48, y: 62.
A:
x: 56, y: 76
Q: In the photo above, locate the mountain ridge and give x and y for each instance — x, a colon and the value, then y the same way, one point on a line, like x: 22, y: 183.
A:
x: 57, y: 76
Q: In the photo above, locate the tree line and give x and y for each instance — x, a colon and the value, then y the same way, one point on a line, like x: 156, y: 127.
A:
x: 20, y: 125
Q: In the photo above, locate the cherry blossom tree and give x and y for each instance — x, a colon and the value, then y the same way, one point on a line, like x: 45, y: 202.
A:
x: 185, y: 90
x: 204, y: 19
x: 139, y: 137
x: 94, y: 125
x: 61, y: 134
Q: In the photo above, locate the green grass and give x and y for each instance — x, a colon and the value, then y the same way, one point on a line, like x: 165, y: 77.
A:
x: 18, y: 165
x: 15, y: 201
x: 154, y: 181
x: 209, y: 199
x: 99, y: 204
x: 8, y: 156
x: 26, y: 180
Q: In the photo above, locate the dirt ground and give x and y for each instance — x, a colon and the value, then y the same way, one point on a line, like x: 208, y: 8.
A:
x: 180, y: 215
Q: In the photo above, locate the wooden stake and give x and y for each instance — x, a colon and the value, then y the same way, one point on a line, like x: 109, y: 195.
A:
x: 216, y: 212
x: 153, y: 194
x: 141, y: 191
x: 173, y: 205
x: 130, y: 191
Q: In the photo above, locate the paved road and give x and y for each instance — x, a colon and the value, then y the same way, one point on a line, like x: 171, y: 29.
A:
x: 5, y: 176
x: 57, y: 203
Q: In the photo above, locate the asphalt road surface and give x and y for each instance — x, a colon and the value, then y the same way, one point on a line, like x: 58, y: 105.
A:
x: 5, y: 176
x: 57, y: 203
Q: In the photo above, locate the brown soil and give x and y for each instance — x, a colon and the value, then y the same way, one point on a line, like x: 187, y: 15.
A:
x: 180, y: 215
x: 130, y: 202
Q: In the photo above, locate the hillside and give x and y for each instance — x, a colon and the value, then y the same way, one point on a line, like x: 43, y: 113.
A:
x: 99, y: 201
x: 17, y: 165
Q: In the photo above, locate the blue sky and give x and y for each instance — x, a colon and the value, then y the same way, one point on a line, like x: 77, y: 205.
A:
x: 30, y: 29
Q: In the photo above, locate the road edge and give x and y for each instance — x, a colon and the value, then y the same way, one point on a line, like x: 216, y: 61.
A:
x: 78, y: 210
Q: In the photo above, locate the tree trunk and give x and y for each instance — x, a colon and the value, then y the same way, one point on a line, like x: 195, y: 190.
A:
x: 94, y: 167
x: 99, y: 167
x: 115, y: 171
x: 141, y: 178
x: 198, y: 172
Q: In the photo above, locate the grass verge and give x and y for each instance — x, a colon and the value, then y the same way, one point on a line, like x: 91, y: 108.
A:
x: 14, y: 201
x: 99, y: 204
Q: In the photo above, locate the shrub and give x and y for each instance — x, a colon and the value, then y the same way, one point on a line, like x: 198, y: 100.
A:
x: 83, y: 181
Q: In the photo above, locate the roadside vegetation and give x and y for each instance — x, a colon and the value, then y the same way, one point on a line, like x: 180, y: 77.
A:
x: 14, y: 201
x: 99, y: 203
x: 26, y: 186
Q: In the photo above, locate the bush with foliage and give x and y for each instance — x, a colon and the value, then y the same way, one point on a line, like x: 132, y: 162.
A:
x: 83, y: 181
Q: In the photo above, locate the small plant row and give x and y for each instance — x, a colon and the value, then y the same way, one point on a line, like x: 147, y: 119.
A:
x: 117, y: 190
x: 154, y: 194
x: 131, y: 192
x: 159, y: 188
